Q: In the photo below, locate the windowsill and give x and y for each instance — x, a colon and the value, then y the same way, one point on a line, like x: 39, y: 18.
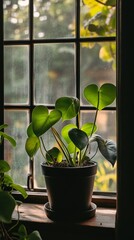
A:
x: 101, y: 226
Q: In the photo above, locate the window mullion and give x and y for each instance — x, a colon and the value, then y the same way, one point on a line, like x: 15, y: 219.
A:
x: 30, y: 177
x: 2, y: 75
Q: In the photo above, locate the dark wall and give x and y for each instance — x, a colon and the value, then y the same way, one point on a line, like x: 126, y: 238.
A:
x: 125, y: 130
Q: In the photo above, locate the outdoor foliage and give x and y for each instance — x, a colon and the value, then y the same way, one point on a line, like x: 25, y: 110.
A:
x: 53, y: 19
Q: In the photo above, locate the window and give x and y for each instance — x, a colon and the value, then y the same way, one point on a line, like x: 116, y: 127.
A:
x: 55, y: 48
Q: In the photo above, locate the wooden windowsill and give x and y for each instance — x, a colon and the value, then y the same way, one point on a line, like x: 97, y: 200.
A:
x: 101, y: 226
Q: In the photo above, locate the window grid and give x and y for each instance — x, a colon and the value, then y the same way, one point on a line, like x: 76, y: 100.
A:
x: 31, y: 42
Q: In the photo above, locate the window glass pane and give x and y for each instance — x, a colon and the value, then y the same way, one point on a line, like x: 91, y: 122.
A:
x: 106, y: 123
x: 16, y: 78
x: 17, y: 157
x: 54, y: 72
x: 97, y: 64
x: 55, y: 61
x: 98, y: 18
x: 16, y: 19
x: 54, y: 19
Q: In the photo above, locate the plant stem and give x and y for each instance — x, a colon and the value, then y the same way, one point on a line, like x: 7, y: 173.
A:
x: 96, y: 114
x: 18, y: 214
x: 62, y: 146
x: 95, y: 119
x: 5, y: 232
x: 94, y: 153
x: 44, y: 149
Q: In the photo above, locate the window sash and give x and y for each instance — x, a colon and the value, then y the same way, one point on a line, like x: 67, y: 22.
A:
x: 33, y: 42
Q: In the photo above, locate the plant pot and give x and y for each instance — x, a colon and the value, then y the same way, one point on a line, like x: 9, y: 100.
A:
x: 69, y: 192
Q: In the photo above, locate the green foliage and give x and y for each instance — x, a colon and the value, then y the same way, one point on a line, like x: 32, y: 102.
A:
x: 98, y: 18
x: 8, y: 202
x: 22, y: 234
x: 6, y: 136
x: 7, y: 205
x: 105, y: 178
x: 106, y: 96
x: 74, y: 141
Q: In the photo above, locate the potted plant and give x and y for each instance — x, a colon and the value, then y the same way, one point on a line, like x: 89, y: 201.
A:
x: 68, y: 168
x: 8, y: 202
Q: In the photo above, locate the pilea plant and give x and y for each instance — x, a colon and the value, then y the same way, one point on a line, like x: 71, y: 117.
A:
x: 74, y: 141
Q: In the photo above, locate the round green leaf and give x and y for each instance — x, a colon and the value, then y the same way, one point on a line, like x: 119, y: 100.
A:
x: 7, y: 180
x: 69, y: 107
x: 35, y: 235
x: 100, y: 98
x: 3, y: 126
x: 30, y: 132
x: 54, y: 154
x: 79, y: 138
x: 7, y: 206
x: 20, y: 189
x: 4, y: 166
x: 42, y: 120
x: 65, y: 131
x: 32, y: 145
x: 22, y: 231
x: 8, y: 138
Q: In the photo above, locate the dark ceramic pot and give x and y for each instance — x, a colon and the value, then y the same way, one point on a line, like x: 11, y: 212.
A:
x: 69, y: 192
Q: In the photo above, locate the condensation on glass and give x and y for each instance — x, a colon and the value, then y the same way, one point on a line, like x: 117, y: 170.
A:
x: 41, y: 53
x: 17, y: 157
x: 54, y: 72
x: 16, y: 78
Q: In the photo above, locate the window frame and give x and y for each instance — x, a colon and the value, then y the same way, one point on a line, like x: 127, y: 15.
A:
x: 101, y: 198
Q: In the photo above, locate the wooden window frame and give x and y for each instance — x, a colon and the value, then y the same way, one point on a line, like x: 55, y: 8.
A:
x: 125, y: 163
